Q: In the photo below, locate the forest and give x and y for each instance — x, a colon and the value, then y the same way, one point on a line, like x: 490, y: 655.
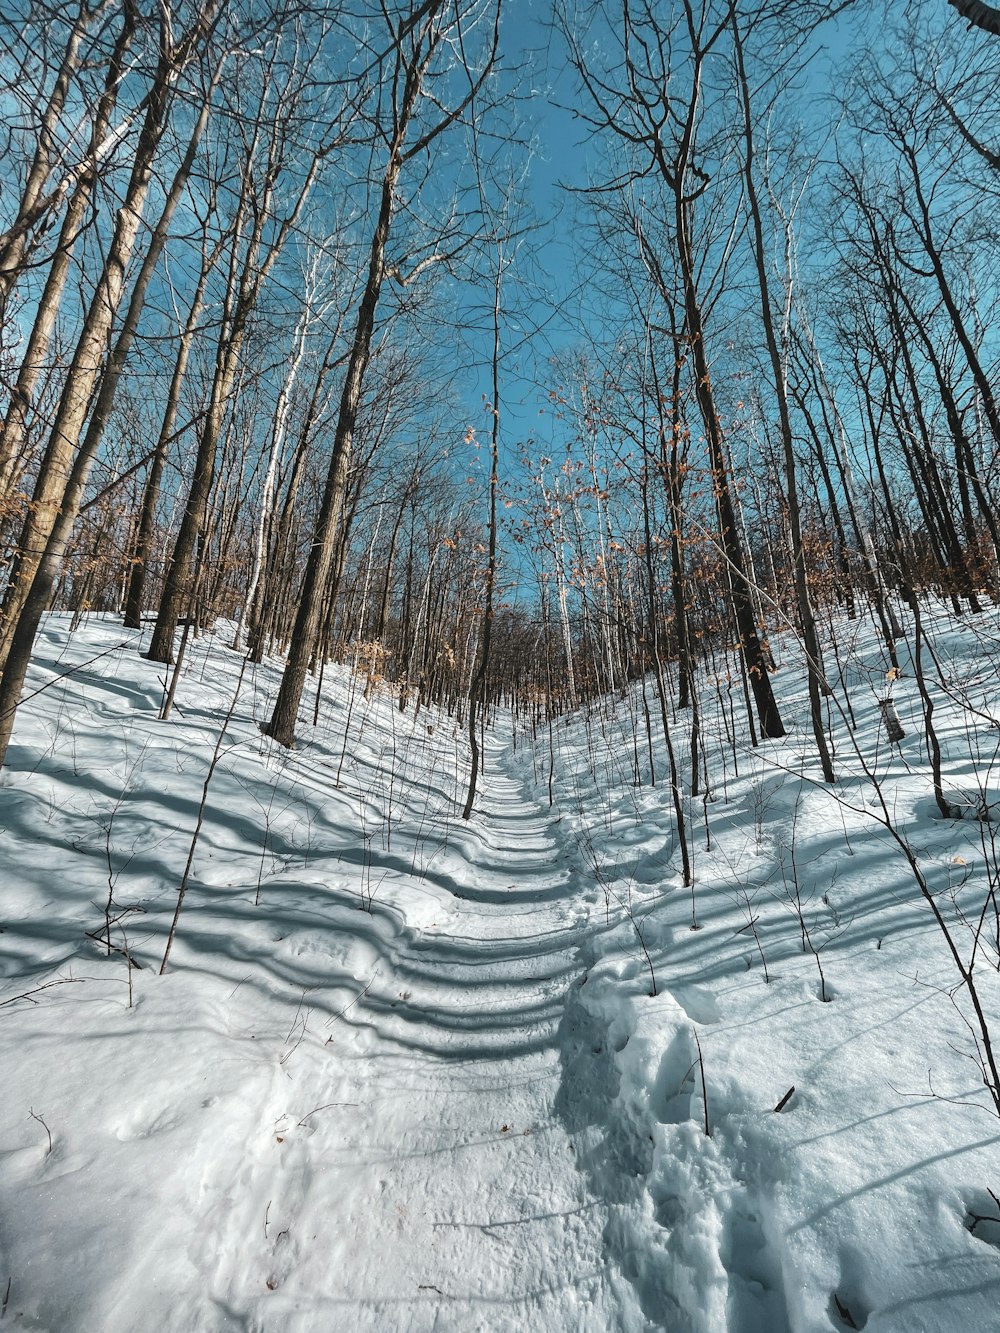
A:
x: 240, y: 245
x: 484, y: 425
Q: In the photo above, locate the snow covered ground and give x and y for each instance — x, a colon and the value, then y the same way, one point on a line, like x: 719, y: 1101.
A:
x: 404, y: 1073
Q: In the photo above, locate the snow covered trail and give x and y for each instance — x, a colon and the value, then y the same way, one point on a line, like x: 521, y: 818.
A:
x: 406, y: 1073
x: 440, y: 1190
x: 322, y: 1117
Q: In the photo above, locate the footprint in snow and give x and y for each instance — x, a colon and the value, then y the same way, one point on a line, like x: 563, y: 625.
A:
x: 143, y: 1127
x: 676, y: 1085
x: 849, y: 1304
x: 756, y: 1301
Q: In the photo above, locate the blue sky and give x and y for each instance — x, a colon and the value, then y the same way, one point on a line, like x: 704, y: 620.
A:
x: 542, y: 316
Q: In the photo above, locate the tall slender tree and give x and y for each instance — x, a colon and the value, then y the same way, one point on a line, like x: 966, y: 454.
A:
x: 419, y: 53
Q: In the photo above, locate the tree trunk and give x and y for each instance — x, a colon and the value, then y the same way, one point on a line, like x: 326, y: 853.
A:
x: 308, y: 620
x: 12, y: 437
x: 807, y: 621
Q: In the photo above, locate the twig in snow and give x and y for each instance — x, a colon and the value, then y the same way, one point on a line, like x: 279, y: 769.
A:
x: 166, y: 686
x: 704, y: 1088
x: 295, y: 1022
x: 99, y: 937
x: 31, y: 1112
x: 845, y: 1314
x: 323, y: 1108
x: 785, y: 1100
x: 213, y: 765
x: 129, y: 960
x: 28, y: 994
x: 360, y: 995
x: 973, y: 1219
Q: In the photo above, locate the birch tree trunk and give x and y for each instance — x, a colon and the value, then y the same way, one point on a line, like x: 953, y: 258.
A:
x: 246, y: 279
x: 80, y: 187
x: 61, y: 484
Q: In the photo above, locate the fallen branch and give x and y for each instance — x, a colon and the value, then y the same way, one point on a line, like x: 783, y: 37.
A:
x: 27, y: 995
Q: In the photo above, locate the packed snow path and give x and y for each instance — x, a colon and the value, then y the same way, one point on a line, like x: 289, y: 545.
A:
x: 349, y: 1104
x: 441, y: 1189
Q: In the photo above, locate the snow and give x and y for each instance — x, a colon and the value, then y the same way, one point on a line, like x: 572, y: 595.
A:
x: 407, y: 1073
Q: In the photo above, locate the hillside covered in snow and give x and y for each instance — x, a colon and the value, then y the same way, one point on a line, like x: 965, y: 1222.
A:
x: 403, y: 1072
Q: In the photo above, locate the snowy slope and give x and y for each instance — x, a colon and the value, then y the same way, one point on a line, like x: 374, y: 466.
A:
x: 406, y: 1073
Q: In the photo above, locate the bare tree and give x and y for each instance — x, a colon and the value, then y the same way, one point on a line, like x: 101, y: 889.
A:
x: 649, y: 97
x: 775, y: 325
x: 425, y: 46
x: 64, y: 469
x: 262, y: 226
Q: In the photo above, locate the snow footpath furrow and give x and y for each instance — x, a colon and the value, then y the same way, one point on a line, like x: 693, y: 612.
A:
x: 339, y: 1107
x: 434, y: 1185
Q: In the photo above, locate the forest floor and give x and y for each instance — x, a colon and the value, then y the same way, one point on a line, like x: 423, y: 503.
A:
x: 408, y: 1073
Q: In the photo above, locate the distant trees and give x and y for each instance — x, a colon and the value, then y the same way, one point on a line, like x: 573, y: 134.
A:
x: 918, y: 285
x: 707, y: 196
x: 650, y: 96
